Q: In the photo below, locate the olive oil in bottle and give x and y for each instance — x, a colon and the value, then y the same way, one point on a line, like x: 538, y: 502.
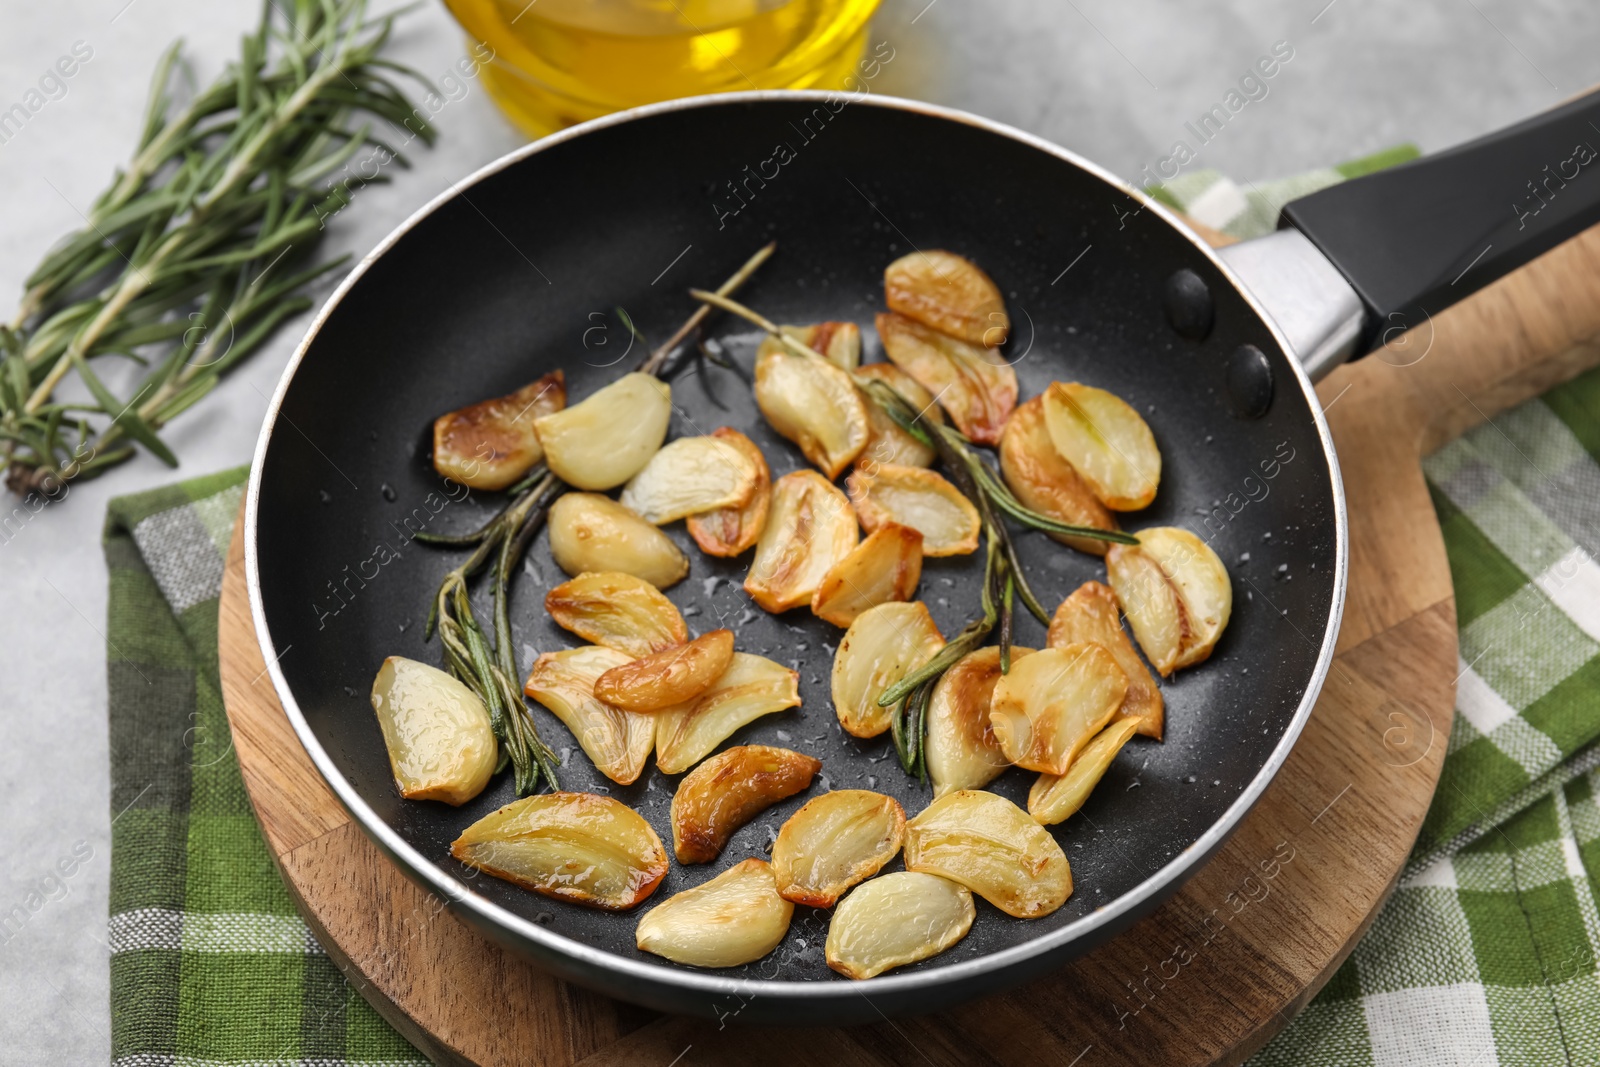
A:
x: 557, y: 62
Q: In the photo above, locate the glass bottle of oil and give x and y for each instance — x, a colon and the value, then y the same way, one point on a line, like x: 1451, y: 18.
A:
x: 557, y: 62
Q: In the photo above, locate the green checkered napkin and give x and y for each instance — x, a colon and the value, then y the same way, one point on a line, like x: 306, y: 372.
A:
x: 1485, y: 955
x: 210, y: 964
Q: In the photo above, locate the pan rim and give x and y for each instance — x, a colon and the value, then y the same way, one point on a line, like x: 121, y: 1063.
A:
x: 1165, y: 881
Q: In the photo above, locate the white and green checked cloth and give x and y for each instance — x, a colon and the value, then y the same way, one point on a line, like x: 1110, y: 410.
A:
x: 1486, y: 954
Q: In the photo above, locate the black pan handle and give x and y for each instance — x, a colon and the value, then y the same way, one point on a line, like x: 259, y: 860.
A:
x: 1416, y: 238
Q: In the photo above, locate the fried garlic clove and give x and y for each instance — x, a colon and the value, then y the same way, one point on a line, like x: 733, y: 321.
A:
x: 617, y: 610
x: 949, y: 293
x: 729, y: 532
x: 992, y: 847
x: 663, y: 679
x: 1106, y: 441
x: 590, y: 533
x: 730, y: 789
x: 1056, y: 796
x: 751, y: 687
x: 810, y: 528
x: 608, y: 437
x: 578, y: 847
x: 1176, y: 594
x: 921, y: 499
x: 441, y: 745
x: 689, y: 476
x: 889, y: 443
x: 491, y: 444
x: 896, y: 919
x: 1151, y: 603
x: 882, y: 646
x: 839, y: 341
x: 617, y: 741
x: 815, y: 405
x: 735, y: 918
x: 962, y: 752
x: 1040, y: 479
x: 883, y: 568
x: 835, y: 841
x: 1053, y: 702
x: 1091, y: 614
x: 974, y: 385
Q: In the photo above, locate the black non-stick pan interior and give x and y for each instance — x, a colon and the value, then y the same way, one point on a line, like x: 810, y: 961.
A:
x: 519, y: 274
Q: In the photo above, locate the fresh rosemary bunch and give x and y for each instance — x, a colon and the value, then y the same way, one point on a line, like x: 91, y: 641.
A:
x: 1003, y: 578
x: 491, y: 672
x: 199, y: 248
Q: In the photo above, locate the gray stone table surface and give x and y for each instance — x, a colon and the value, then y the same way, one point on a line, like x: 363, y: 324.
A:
x: 1113, y: 80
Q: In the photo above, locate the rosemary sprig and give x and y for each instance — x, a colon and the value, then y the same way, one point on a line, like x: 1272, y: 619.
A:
x: 491, y: 672
x: 1003, y: 578
x: 727, y: 289
x: 200, y: 246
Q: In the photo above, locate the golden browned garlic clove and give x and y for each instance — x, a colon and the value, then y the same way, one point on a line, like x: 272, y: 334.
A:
x: 492, y: 443
x: 882, y: 646
x: 815, y: 405
x: 1176, y: 594
x: 810, y: 528
x: 590, y: 533
x: 883, y: 568
x: 1053, y: 702
x: 688, y: 476
x: 617, y: 741
x: 949, y: 293
x: 962, y: 752
x: 663, y: 679
x: 974, y: 384
x: 608, y: 437
x: 735, y: 918
x: 441, y: 746
x: 751, y: 687
x: 835, y: 841
x: 1043, y: 481
x: 617, y: 610
x: 889, y: 443
x: 921, y: 499
x: 1106, y: 441
x: 730, y: 789
x: 896, y: 919
x: 1091, y: 614
x: 1151, y: 603
x: 577, y: 847
x: 992, y: 847
x: 839, y: 341
x: 1054, y: 797
x: 730, y: 531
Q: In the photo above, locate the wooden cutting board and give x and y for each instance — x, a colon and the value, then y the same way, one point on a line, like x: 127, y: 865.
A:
x: 1206, y: 979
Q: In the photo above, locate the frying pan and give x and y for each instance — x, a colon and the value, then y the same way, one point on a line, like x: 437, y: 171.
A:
x: 517, y: 270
